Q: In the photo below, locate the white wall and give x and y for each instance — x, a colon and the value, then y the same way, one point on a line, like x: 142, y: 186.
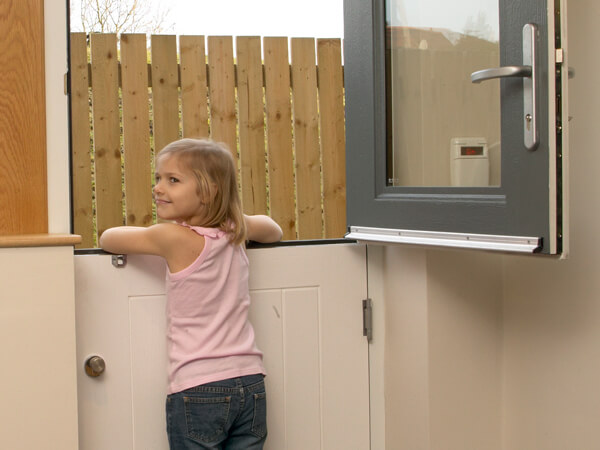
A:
x: 552, y: 308
x: 443, y: 349
x: 57, y: 120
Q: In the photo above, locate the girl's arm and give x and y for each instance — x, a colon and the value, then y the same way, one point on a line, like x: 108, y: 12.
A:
x: 151, y: 240
x: 179, y: 245
x: 262, y: 229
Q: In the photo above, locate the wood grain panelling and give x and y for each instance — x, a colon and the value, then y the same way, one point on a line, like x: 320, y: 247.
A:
x: 23, y: 187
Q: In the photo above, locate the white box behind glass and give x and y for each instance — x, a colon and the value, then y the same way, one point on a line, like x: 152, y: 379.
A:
x: 470, y: 164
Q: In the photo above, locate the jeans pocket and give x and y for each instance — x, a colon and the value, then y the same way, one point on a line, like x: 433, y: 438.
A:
x: 206, y: 417
x: 259, y: 421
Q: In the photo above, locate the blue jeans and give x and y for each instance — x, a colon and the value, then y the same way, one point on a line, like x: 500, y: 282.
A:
x: 224, y: 415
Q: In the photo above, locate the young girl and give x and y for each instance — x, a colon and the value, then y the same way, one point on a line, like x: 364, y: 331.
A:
x: 216, y: 393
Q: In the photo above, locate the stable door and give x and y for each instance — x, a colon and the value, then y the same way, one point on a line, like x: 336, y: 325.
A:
x: 308, y: 317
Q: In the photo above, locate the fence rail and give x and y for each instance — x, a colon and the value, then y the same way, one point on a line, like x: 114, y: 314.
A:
x: 284, y: 122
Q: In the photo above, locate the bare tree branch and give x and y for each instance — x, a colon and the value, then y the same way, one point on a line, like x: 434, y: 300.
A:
x: 119, y: 16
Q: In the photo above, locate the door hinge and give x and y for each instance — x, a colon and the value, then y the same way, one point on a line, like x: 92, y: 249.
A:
x: 367, y: 306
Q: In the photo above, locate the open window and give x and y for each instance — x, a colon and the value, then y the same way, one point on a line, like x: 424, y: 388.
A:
x: 455, y: 123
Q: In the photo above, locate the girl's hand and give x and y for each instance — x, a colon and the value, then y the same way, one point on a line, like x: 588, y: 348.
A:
x: 262, y: 229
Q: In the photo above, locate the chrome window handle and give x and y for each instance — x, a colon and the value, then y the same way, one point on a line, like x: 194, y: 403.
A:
x: 528, y: 72
x: 501, y: 72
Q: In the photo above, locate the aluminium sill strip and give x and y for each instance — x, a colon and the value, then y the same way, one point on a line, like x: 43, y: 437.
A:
x: 445, y: 239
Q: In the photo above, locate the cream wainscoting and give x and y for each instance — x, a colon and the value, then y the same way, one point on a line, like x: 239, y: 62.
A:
x: 38, y: 384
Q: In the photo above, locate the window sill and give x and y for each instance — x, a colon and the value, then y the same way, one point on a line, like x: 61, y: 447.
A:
x: 39, y: 240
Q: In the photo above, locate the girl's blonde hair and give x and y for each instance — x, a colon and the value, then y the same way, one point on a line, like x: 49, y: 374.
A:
x: 215, y: 170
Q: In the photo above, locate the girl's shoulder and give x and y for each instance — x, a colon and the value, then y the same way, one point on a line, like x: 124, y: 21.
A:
x: 181, y: 244
x: 213, y: 233
x: 172, y: 233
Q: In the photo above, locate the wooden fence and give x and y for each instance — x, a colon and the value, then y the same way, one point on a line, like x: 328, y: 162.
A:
x: 283, y: 121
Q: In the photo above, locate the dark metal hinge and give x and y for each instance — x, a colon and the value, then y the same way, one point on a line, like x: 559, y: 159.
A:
x: 367, y: 306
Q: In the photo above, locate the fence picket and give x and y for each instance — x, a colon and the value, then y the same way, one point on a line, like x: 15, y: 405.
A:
x: 165, y: 95
x: 194, y: 106
x: 107, y: 146
x: 136, y: 130
x: 222, y: 92
x: 83, y: 214
x: 279, y: 135
x: 251, y: 125
x: 306, y: 139
x: 333, y: 140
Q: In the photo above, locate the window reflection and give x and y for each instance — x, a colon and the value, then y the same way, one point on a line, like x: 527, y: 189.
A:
x: 442, y: 129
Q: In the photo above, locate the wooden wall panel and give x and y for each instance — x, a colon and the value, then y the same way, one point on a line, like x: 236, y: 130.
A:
x: 23, y: 190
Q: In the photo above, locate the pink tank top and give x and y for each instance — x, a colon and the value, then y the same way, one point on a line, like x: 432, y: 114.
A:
x: 209, y: 337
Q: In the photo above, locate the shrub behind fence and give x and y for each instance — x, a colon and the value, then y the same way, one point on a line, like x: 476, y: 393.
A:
x: 284, y: 123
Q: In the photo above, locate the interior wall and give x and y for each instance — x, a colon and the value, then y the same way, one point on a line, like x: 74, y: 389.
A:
x: 552, y: 308
x: 443, y: 353
x: 57, y: 116
x: 38, y: 384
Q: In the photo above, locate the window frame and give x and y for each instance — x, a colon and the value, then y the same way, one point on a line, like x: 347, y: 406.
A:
x: 462, y: 213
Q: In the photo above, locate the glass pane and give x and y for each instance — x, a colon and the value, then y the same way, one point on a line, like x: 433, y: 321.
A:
x: 443, y: 130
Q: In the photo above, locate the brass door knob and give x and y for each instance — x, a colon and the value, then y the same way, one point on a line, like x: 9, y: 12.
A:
x: 95, y: 366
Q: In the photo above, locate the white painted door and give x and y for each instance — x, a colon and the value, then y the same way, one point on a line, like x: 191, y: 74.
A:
x: 307, y: 314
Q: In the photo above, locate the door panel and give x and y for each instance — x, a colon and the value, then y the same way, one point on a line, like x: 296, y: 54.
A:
x: 102, y: 322
x: 307, y: 314
x: 148, y: 372
x: 319, y: 283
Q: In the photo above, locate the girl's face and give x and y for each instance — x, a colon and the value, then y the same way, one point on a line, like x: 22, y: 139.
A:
x: 176, y: 192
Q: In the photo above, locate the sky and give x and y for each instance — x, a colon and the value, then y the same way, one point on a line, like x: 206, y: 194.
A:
x: 304, y: 18
x: 318, y: 18
x: 293, y: 18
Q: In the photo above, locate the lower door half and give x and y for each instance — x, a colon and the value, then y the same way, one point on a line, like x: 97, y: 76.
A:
x: 307, y: 314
